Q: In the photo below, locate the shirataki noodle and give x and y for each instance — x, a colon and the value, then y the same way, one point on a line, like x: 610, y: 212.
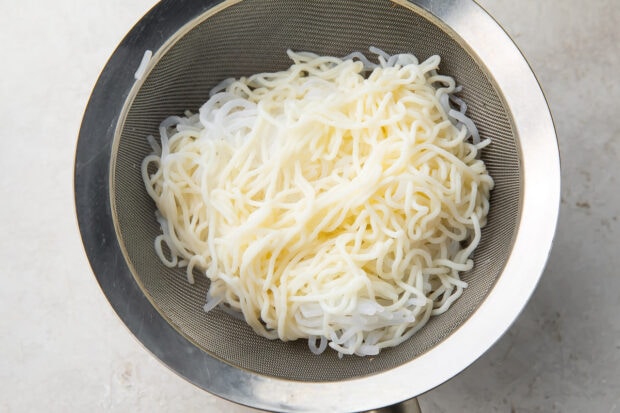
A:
x: 336, y: 201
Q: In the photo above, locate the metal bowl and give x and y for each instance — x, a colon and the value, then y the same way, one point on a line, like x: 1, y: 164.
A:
x: 195, y: 45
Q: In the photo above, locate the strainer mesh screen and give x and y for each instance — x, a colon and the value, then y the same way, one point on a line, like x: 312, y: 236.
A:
x: 252, y: 36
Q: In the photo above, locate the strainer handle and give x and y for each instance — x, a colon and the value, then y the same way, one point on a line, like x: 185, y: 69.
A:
x: 408, y: 406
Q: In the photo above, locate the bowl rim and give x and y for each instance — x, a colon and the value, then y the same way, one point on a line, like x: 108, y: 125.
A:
x: 484, y: 38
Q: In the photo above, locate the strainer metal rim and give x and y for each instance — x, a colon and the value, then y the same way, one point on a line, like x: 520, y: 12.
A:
x: 541, y: 197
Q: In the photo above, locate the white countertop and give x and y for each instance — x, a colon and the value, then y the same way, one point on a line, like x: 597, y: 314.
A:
x: 62, y: 347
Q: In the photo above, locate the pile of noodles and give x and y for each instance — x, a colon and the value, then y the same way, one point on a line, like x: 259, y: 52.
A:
x: 336, y: 201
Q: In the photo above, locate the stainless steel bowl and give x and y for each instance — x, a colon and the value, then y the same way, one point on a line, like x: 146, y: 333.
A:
x: 196, y: 44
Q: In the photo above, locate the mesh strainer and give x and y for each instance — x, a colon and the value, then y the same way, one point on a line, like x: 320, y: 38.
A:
x: 197, y: 44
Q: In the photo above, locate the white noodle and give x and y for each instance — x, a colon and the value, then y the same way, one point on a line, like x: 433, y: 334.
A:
x: 313, y: 346
x: 146, y: 58
x: 336, y: 201
x: 469, y: 124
